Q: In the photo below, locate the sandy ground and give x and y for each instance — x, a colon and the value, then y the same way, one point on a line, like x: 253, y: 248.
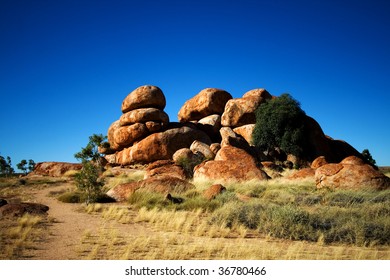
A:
x: 68, y: 223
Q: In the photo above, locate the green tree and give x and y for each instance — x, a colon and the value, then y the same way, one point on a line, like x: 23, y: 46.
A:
x: 368, y: 157
x: 31, y: 165
x: 279, y: 123
x: 87, y: 180
x: 91, y: 151
x: 22, y: 165
x: 6, y: 166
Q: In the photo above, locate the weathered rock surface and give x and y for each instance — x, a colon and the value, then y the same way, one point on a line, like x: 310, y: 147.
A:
x: 144, y: 115
x: 55, y: 169
x: 161, y: 145
x: 213, y: 191
x: 207, y: 102
x: 351, y: 173
x: 19, y: 209
x: 166, y: 168
x: 125, y: 136
x: 301, y: 174
x: 241, y: 111
x: 230, y: 164
x: 318, y: 162
x: 124, y: 191
x: 211, y: 125
x: 166, y: 184
x: 204, y: 149
x: 245, y: 132
x: 144, y: 97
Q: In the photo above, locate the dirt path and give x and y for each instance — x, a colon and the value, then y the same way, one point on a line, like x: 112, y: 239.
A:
x: 67, y: 226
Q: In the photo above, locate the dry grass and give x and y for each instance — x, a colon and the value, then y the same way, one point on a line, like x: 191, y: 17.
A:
x: 185, y: 235
x: 18, y: 237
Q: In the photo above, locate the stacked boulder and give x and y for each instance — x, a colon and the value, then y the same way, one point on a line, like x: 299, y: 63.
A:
x: 142, y: 115
x: 205, y: 110
x: 143, y: 134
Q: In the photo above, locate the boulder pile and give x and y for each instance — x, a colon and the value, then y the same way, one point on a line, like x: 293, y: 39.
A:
x: 214, y: 139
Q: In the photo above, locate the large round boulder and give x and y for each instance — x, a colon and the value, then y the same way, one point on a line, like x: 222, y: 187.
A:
x: 144, y: 97
x: 230, y: 164
x: 144, y: 115
x: 126, y: 135
x: 351, y: 173
x: 241, y: 111
x: 207, y: 102
x: 161, y: 145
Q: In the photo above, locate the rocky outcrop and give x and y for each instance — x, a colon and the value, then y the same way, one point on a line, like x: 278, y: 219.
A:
x: 54, y: 169
x: 207, y: 102
x: 350, y: 173
x: 245, y: 132
x: 318, y: 162
x: 144, y: 97
x: 161, y: 145
x: 241, y: 111
x: 203, y: 148
x: 142, y: 115
x: 162, y: 184
x: 122, y: 192
x: 230, y: 164
x: 166, y: 168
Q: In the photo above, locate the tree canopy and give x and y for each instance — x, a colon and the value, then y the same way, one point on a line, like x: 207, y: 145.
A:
x: 279, y: 123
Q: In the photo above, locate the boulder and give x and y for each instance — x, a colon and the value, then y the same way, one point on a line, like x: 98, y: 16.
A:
x: 318, y: 162
x: 215, y: 147
x: 144, y: 97
x: 144, y: 115
x: 166, y: 184
x: 351, y: 173
x: 211, y: 125
x: 245, y: 132
x: 241, y: 111
x: 301, y: 174
x: 55, y: 169
x: 125, y: 136
x: 153, y: 127
x: 213, y: 191
x: 230, y: 164
x: 124, y: 191
x: 207, y: 102
x: 161, y: 145
x: 184, y: 154
x: 19, y: 209
x: 204, y: 149
x: 166, y: 168
x: 111, y: 135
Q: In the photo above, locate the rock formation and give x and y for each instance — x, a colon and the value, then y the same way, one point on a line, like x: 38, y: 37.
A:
x: 350, y: 173
x: 54, y: 169
x: 241, y: 111
x: 208, y: 102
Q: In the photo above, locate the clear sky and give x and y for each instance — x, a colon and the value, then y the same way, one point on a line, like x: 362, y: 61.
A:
x: 66, y: 66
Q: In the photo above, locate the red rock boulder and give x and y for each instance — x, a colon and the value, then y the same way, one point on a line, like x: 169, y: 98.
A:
x: 207, y: 102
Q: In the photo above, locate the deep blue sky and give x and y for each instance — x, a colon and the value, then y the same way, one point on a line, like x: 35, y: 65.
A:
x: 66, y: 66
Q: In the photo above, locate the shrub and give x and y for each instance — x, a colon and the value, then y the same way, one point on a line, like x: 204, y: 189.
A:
x: 279, y: 123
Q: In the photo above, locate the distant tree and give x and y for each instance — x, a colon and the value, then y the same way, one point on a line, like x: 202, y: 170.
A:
x: 279, y: 123
x: 9, y: 168
x: 22, y: 165
x: 368, y: 157
x: 31, y: 165
x: 87, y: 180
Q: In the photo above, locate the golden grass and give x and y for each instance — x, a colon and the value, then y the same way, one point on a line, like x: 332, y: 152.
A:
x: 17, y: 237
